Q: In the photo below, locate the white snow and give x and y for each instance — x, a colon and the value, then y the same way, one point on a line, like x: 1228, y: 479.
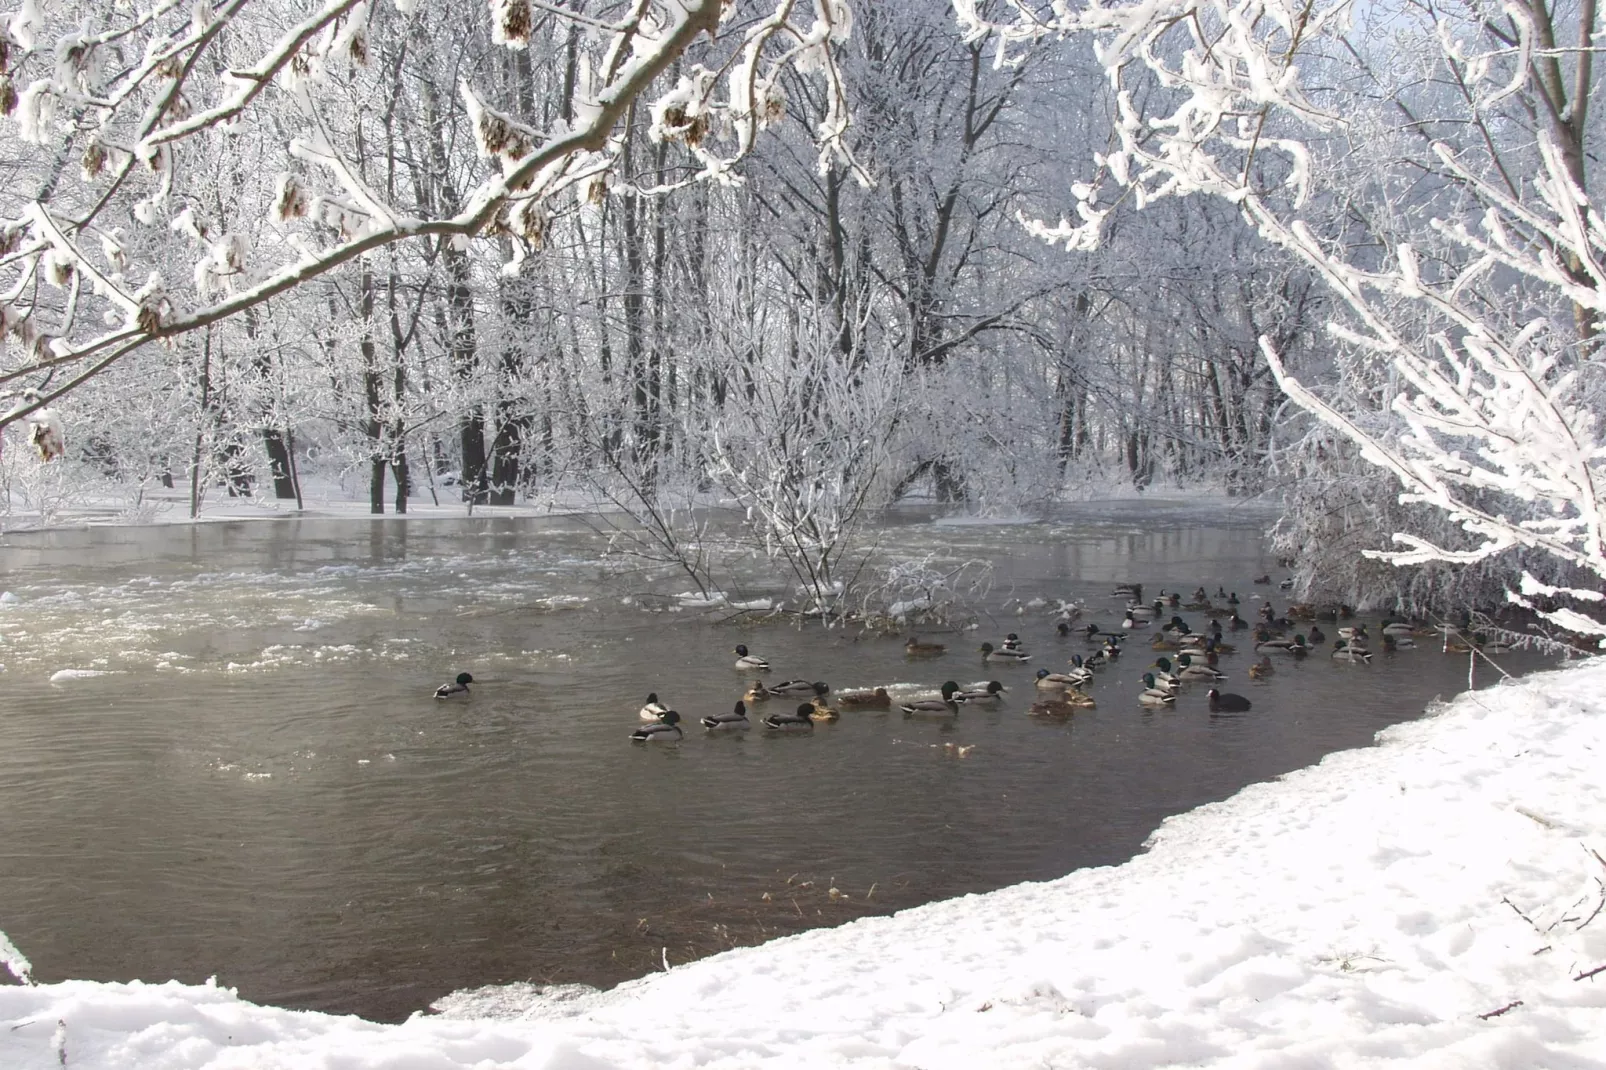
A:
x: 61, y: 676
x: 1437, y: 901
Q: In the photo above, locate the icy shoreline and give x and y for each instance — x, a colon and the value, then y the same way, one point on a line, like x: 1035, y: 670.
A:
x: 1434, y: 901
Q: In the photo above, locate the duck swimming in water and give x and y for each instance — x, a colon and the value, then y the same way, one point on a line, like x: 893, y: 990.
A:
x: 1346, y: 650
x: 666, y: 730
x: 757, y: 693
x: 750, y: 662
x: 456, y: 688
x: 872, y: 700
x: 1015, y: 656
x: 736, y: 718
x: 1075, y: 678
x: 801, y: 721
x: 945, y: 706
x: 914, y: 648
x: 799, y: 687
x: 1189, y: 669
x: 1155, y: 695
x: 993, y: 692
x: 1063, y: 705
x: 653, y: 709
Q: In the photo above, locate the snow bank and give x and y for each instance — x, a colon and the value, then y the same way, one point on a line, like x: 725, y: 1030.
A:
x: 1435, y: 902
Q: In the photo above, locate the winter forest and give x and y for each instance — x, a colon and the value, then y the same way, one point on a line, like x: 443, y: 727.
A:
x: 808, y: 258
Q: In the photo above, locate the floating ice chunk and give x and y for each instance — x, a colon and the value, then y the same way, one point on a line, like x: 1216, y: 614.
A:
x: 63, y: 675
x: 8, y: 599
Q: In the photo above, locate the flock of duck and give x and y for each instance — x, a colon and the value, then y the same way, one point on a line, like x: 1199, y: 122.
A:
x: 1196, y: 656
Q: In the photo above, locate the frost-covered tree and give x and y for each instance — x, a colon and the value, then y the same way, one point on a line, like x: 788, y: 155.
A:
x: 126, y: 115
x: 1466, y: 259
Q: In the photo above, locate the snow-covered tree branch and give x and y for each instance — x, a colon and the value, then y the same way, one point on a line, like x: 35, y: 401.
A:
x: 149, y: 101
x: 1474, y: 308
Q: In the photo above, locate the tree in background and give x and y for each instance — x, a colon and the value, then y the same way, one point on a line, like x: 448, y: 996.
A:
x: 1465, y: 254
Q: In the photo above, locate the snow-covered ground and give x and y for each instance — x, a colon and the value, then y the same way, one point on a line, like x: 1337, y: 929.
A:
x: 1434, y: 902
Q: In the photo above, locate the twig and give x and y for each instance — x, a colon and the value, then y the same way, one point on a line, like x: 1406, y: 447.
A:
x: 1521, y: 915
x: 1587, y: 974
x: 1498, y: 1011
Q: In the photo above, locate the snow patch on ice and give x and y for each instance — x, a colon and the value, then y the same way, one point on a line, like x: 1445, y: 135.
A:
x: 61, y: 676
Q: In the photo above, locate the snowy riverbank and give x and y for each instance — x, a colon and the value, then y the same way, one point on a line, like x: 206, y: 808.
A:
x: 1434, y: 902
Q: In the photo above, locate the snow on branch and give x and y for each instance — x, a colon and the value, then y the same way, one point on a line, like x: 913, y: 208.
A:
x: 157, y: 100
x: 1493, y: 423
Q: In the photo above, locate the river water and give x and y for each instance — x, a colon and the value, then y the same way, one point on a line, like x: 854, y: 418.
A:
x: 259, y: 785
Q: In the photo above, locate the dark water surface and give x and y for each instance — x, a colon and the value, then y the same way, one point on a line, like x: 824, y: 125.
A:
x: 262, y: 788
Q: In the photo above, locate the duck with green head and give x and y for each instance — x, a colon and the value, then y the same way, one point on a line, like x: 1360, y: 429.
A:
x: 458, y: 688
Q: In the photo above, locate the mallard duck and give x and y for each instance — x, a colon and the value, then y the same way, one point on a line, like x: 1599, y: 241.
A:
x: 667, y: 729
x: 1161, y: 641
x: 1236, y: 623
x: 1261, y: 579
x: 1345, y: 650
x: 1093, y: 635
x: 1352, y: 633
x: 1214, y: 645
x: 1155, y: 695
x: 1048, y: 681
x: 1227, y: 701
x: 822, y: 712
x: 1266, y: 643
x: 653, y: 709
x: 1143, y: 614
x: 457, y: 687
x: 1111, y: 649
x: 1133, y: 591
x: 1062, y: 705
x: 801, y: 721
x: 1391, y: 643
x: 736, y: 718
x: 876, y: 700
x: 1016, y: 656
x: 799, y: 687
x: 1189, y: 669
x: 1011, y: 642
x: 1261, y: 669
x: 1095, y: 660
x: 1165, y: 675
x: 993, y: 692
x: 750, y: 662
x: 914, y: 648
x: 945, y: 706
x: 757, y: 693
x: 1317, y: 635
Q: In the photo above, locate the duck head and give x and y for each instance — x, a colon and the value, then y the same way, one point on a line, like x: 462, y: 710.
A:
x: 464, y: 678
x: 948, y: 688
